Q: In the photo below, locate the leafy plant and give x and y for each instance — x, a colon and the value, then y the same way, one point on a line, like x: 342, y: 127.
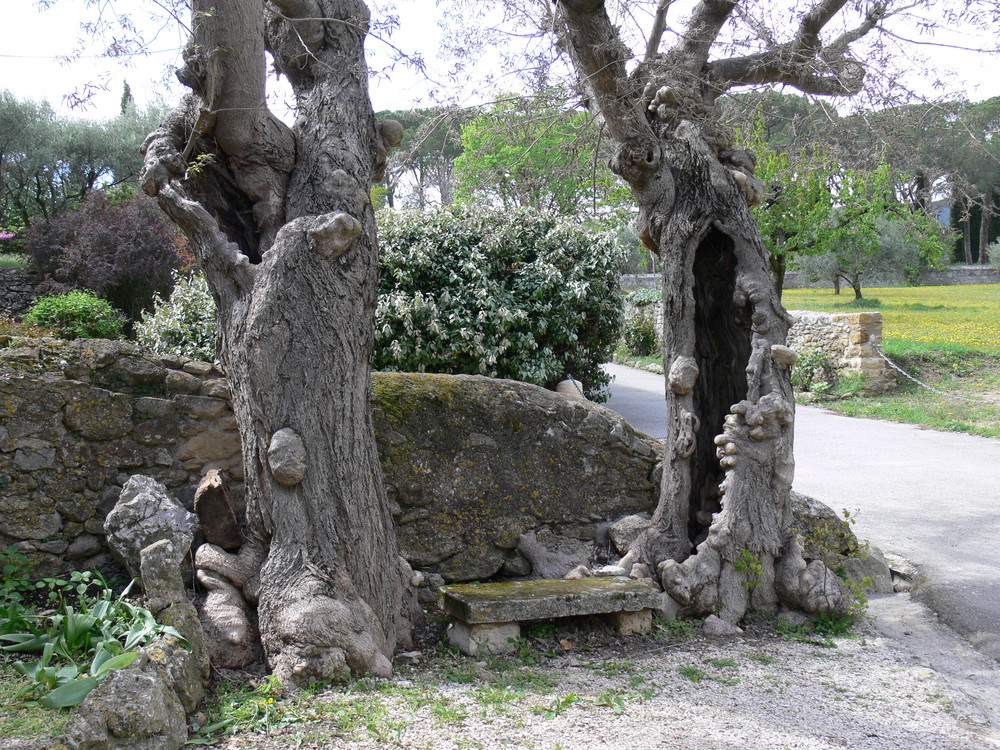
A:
x: 123, y: 250
x: 79, y: 647
x: 76, y: 315
x: 750, y: 566
x: 518, y: 295
x: 639, y: 336
x: 182, y: 324
x: 558, y: 705
x: 813, y: 372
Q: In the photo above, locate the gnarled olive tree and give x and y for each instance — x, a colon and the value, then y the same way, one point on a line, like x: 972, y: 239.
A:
x: 282, y: 224
x: 721, y: 536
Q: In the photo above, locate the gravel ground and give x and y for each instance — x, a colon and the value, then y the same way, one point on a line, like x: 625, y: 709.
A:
x: 900, y: 682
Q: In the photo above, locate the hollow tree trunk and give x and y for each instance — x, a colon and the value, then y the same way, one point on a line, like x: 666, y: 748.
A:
x: 283, y: 226
x: 728, y: 465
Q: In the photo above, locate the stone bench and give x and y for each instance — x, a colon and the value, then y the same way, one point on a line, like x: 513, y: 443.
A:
x: 486, y: 616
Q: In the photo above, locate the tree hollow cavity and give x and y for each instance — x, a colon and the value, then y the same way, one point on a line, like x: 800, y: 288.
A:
x: 722, y: 350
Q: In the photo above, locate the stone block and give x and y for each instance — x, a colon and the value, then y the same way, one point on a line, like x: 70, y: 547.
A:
x: 211, y: 445
x: 178, y: 381
x: 204, y: 407
x: 515, y: 601
x: 98, y: 414
x: 484, y: 638
x: 198, y: 368
x: 630, y: 623
x: 157, y: 407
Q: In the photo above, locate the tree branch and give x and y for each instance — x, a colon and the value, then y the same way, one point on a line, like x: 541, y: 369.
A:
x: 706, y: 21
x: 600, y: 57
x: 656, y: 32
x: 804, y: 62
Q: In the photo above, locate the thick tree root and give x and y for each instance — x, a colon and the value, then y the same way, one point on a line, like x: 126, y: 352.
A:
x: 310, y: 635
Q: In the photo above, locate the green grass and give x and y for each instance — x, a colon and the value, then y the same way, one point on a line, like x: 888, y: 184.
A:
x: 937, y: 318
x: 945, y: 336
x: 25, y: 719
x: 13, y: 260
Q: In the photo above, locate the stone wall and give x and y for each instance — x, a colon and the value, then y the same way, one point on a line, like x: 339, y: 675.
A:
x: 948, y: 276
x: 851, y: 341
x: 78, y: 418
x: 17, y: 290
x: 470, y: 463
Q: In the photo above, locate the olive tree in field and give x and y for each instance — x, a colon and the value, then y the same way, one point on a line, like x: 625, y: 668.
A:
x: 721, y: 538
x: 283, y: 226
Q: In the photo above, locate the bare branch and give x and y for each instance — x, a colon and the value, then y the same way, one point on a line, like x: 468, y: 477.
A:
x: 703, y: 29
x: 805, y: 62
x: 807, y: 40
x: 656, y: 32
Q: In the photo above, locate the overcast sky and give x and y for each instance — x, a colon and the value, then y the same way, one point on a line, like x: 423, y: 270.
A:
x: 30, y: 66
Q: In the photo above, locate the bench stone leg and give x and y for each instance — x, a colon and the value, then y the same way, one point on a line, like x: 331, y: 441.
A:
x: 628, y: 623
x: 484, y: 638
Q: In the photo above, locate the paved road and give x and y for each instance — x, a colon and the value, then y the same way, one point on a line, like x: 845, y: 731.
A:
x: 933, y: 497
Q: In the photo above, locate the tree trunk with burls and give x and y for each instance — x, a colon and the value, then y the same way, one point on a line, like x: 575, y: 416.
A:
x: 283, y: 226
x: 721, y: 538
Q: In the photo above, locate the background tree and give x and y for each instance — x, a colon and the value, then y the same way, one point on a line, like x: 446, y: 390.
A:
x: 529, y: 152
x: 49, y: 164
x: 421, y: 171
x: 867, y: 232
x: 282, y: 223
x: 121, y: 247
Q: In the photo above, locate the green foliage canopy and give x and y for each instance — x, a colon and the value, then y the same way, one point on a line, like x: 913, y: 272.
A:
x: 520, y: 154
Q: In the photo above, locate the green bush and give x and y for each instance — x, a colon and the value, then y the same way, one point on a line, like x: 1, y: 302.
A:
x: 513, y: 294
x: 76, y: 315
x: 184, y: 324
x: 813, y: 372
x: 639, y: 337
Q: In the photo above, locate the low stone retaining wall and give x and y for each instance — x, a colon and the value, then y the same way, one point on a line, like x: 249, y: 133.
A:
x: 470, y: 463
x: 949, y: 276
x: 17, y: 290
x: 850, y: 340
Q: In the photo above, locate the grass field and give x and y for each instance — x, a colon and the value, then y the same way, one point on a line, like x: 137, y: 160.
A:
x: 946, y: 318
x: 947, y: 336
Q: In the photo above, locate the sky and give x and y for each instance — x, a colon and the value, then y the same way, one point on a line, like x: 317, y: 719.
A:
x: 30, y: 66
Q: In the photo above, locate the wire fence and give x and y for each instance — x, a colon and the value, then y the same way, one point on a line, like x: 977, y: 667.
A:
x: 922, y: 384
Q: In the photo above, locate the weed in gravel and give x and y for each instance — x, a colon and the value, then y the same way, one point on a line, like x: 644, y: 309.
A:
x: 676, y: 630
x: 445, y: 711
x: 692, y: 673
x: 761, y: 657
x: 722, y: 662
x: 557, y: 706
x: 500, y: 699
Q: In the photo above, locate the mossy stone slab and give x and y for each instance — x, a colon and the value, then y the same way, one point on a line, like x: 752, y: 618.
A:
x: 516, y: 601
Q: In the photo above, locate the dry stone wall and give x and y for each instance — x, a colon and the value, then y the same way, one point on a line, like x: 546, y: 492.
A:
x: 851, y: 341
x: 17, y: 290
x: 470, y: 463
x: 78, y: 418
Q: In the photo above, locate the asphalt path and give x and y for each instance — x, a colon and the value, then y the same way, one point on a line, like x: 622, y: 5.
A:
x: 932, y: 497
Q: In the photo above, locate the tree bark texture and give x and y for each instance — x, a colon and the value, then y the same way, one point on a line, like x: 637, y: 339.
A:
x: 283, y: 226
x: 721, y: 537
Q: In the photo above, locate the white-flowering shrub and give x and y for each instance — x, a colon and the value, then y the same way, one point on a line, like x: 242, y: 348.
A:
x: 184, y: 324
x: 508, y: 294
